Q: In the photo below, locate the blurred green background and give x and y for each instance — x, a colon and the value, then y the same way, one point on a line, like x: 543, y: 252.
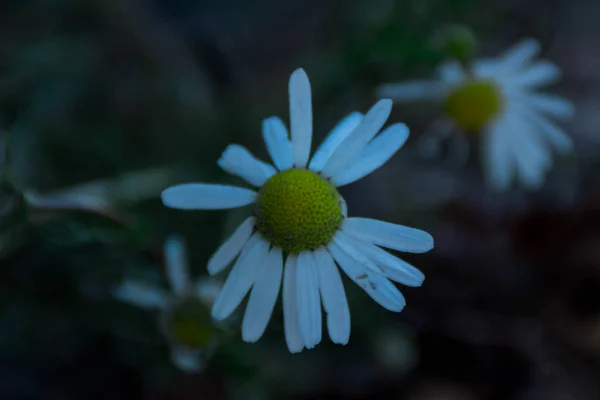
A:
x: 111, y: 101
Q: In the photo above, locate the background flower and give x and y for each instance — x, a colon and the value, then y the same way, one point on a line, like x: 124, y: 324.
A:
x: 183, y: 316
x: 499, y: 98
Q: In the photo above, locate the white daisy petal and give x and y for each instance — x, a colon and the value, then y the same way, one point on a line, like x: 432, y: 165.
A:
x: 413, y: 91
x: 378, y: 260
x: 451, y: 72
x: 532, y: 158
x: 238, y: 161
x: 358, y: 139
x: 376, y: 285
x: 521, y: 53
x: 187, y: 360
x: 392, y: 236
x: 229, y: 250
x: 177, y: 265
x: 334, y: 297
x: 141, y: 294
x: 498, y: 158
x: 241, y: 278
x: 551, y: 132
x: 293, y: 335
x: 278, y: 143
x: 377, y: 153
x: 487, y: 67
x: 263, y: 297
x: 351, y: 246
x: 526, y: 140
x: 554, y: 106
x: 203, y: 196
x: 300, y: 117
x: 333, y: 140
x: 538, y: 74
x: 530, y: 174
x: 309, y: 301
x: 391, y: 266
x: 344, y: 207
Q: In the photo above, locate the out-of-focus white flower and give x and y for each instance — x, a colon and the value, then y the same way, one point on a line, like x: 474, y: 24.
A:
x: 499, y: 97
x: 299, y: 213
x: 184, y: 312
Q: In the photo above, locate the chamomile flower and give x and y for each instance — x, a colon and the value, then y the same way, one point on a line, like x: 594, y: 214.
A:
x: 498, y: 97
x: 299, y: 229
x: 184, y: 314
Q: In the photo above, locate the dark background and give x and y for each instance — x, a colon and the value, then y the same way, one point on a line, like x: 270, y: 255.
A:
x: 93, y: 90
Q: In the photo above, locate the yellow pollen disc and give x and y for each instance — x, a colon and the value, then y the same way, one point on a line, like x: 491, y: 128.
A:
x: 474, y: 104
x: 298, y: 210
x: 190, y: 324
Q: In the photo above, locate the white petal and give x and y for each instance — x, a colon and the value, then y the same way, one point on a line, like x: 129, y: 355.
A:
x: 532, y: 157
x: 263, y: 297
x: 497, y: 156
x: 208, y: 290
x: 278, y: 143
x: 309, y: 301
x: 538, y: 74
x: 530, y: 174
x: 451, y: 72
x: 554, y: 106
x: 187, y: 360
x: 177, y: 265
x: 204, y: 196
x: 488, y: 67
x: 376, y: 285
x: 344, y: 207
x: 300, y: 117
x: 241, y: 278
x: 413, y: 91
x: 377, y: 153
x: 238, y: 161
x: 528, y: 142
x: 293, y: 336
x: 358, y: 139
x: 392, y: 236
x: 141, y: 294
x: 521, y: 53
x: 391, y: 266
x: 333, y: 140
x: 551, y: 132
x: 231, y: 248
x: 334, y: 297
x: 351, y: 246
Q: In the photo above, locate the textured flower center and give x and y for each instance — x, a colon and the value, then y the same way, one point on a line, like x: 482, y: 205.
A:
x: 190, y: 324
x: 298, y: 210
x: 474, y: 104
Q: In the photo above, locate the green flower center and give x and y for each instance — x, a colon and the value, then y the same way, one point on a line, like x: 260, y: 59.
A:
x: 190, y: 324
x: 474, y: 104
x: 298, y: 210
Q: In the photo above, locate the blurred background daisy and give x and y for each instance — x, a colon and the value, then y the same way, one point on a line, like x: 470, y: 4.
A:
x: 183, y: 312
x: 104, y: 104
x: 497, y: 98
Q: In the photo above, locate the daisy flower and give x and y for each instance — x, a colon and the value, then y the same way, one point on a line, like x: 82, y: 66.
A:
x: 499, y: 98
x: 184, y: 314
x: 299, y: 229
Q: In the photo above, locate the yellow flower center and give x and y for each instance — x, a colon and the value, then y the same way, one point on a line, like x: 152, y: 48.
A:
x: 190, y: 324
x: 474, y: 104
x: 298, y: 210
